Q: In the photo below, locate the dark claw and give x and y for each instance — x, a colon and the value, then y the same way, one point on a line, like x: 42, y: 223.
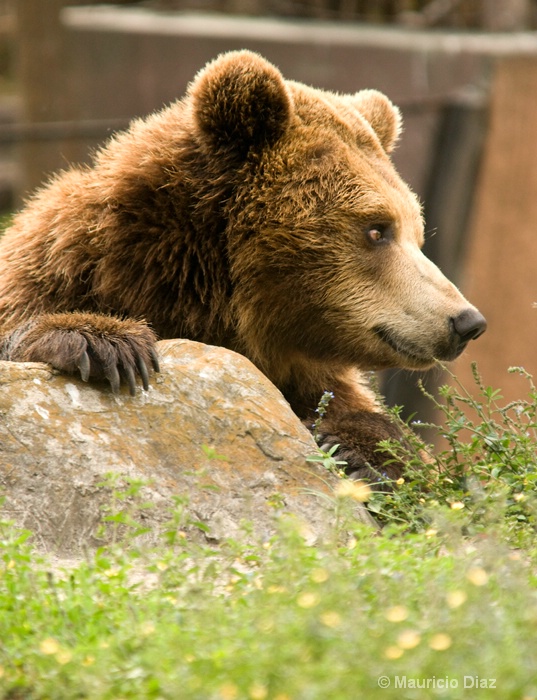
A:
x: 112, y: 374
x: 154, y: 360
x: 144, y: 374
x: 131, y: 379
x: 84, y: 366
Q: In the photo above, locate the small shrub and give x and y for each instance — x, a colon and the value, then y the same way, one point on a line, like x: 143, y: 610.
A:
x: 487, y: 472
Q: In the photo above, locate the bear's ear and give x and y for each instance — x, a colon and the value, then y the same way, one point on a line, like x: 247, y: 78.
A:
x: 384, y: 117
x: 240, y: 101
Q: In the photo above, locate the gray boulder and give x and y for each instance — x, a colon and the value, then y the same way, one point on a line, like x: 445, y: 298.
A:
x: 212, y: 437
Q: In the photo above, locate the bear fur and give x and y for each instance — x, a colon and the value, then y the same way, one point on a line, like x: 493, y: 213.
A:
x: 258, y: 214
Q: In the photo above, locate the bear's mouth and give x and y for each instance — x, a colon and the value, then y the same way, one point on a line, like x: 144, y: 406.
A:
x: 413, y: 353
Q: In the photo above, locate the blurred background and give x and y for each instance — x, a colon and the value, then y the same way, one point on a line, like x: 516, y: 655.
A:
x: 464, y: 73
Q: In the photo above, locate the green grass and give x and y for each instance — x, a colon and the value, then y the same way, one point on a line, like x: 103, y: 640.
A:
x: 6, y: 219
x: 445, y: 595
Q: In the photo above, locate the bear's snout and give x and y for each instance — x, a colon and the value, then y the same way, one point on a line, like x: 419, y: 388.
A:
x: 465, y: 326
x: 469, y: 325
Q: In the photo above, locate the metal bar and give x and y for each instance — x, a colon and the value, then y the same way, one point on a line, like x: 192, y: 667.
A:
x: 60, y: 131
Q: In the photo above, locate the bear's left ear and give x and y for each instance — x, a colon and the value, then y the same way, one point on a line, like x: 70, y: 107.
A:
x: 384, y: 117
x: 240, y: 101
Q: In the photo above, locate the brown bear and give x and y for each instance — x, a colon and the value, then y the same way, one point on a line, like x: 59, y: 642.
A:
x: 258, y: 214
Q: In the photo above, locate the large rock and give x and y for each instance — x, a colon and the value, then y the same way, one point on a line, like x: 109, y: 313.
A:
x: 211, y: 430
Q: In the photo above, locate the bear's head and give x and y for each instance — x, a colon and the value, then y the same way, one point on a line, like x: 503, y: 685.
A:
x: 323, y: 237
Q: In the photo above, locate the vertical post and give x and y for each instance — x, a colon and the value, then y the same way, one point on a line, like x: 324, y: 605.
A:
x: 42, y: 69
x: 449, y: 196
x: 500, y: 265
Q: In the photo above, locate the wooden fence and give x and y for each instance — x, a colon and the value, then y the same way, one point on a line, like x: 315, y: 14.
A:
x: 490, y: 15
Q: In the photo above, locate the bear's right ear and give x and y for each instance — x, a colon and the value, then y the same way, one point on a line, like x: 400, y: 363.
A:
x: 240, y: 101
x: 382, y: 115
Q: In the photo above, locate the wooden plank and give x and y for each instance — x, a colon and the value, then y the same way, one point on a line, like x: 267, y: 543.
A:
x: 500, y: 275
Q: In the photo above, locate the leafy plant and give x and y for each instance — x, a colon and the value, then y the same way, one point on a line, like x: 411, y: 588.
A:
x: 328, y: 459
x: 321, y: 410
x: 488, y: 467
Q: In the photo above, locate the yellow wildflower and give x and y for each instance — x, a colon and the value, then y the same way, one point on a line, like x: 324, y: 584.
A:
x: 409, y: 639
x: 397, y: 613
x: 456, y: 598
x: 308, y: 599
x: 228, y: 691
x: 49, y: 646
x: 440, y: 642
x: 63, y: 656
x: 357, y: 490
x: 258, y: 691
x: 331, y: 618
x: 477, y: 576
x: 319, y: 575
x: 393, y: 652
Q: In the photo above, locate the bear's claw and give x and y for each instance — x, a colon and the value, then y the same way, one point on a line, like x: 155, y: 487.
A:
x: 84, y: 366
x: 95, y: 346
x: 154, y: 359
x: 142, y: 371
x: 119, y: 361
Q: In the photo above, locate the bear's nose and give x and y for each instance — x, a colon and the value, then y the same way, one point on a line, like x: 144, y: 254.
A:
x: 469, y: 324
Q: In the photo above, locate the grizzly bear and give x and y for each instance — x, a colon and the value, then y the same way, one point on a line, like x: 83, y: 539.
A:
x: 258, y: 214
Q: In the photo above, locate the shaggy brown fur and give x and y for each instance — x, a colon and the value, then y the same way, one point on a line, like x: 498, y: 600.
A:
x: 256, y: 213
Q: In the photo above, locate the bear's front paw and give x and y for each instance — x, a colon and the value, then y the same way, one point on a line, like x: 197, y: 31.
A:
x: 99, y: 347
x: 363, y: 467
x: 358, y: 435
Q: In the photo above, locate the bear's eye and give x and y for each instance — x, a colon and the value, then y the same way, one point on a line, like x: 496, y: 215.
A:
x: 378, y: 233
